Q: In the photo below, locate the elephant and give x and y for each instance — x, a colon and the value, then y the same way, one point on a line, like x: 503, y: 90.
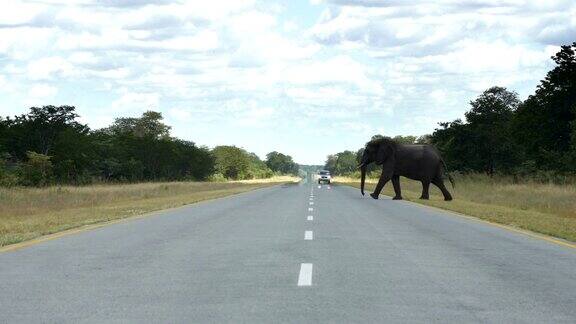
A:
x: 414, y: 161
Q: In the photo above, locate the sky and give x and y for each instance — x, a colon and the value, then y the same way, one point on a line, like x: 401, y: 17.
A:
x: 307, y: 78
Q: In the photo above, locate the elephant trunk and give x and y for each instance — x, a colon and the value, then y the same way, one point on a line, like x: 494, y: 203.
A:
x: 362, y: 178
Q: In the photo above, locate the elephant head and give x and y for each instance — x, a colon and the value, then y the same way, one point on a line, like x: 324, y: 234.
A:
x: 378, y: 150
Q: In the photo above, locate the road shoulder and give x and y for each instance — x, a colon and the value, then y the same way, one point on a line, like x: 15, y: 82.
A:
x: 492, y: 215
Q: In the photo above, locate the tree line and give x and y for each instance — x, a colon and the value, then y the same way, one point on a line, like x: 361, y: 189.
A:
x: 48, y: 145
x: 502, y: 134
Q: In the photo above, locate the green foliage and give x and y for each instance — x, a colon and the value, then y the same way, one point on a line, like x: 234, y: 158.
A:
x: 136, y: 149
x: 40, y: 129
x: 131, y: 149
x: 257, y: 168
x: 4, y: 133
x: 309, y: 170
x: 8, y: 176
x: 535, y: 139
x: 217, y: 177
x: 342, y: 163
x: 37, y: 170
x: 148, y: 126
x: 238, y: 164
x: 232, y: 162
x: 485, y: 143
x: 545, y: 121
x: 424, y: 139
x: 405, y: 139
x: 281, y: 163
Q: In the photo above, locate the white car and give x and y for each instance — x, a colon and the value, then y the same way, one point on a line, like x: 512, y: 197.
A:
x: 324, y: 176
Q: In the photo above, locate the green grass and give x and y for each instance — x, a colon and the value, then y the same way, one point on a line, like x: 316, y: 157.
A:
x: 544, y: 208
x: 29, y: 213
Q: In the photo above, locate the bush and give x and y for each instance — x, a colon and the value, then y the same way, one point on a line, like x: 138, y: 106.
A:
x: 217, y: 177
x: 37, y: 171
x: 8, y: 176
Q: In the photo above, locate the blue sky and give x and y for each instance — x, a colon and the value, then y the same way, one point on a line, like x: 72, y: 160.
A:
x: 307, y: 78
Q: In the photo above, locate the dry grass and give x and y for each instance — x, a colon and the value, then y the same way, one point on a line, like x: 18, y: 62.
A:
x: 27, y: 213
x: 274, y: 179
x: 545, y: 208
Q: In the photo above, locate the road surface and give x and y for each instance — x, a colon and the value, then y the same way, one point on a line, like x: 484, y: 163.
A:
x: 292, y: 253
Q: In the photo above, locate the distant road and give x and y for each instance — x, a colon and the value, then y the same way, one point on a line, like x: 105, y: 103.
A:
x: 292, y: 253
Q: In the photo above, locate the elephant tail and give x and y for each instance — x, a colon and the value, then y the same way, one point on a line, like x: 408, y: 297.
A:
x: 448, y: 174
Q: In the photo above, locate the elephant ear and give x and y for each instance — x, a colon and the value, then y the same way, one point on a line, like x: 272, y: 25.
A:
x: 385, y: 152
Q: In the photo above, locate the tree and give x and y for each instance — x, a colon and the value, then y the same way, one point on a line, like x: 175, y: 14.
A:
x: 342, y: 163
x: 457, y: 143
x: 131, y: 149
x: 346, y: 162
x: 37, y: 171
x: 404, y: 139
x: 199, y: 163
x: 544, y: 122
x: 144, y: 143
x: 150, y: 125
x: 258, y: 168
x: 424, y: 139
x: 4, y: 133
x: 330, y: 164
x: 485, y: 142
x: 232, y: 162
x: 281, y: 163
x: 490, y: 121
x: 38, y: 130
x: 52, y: 131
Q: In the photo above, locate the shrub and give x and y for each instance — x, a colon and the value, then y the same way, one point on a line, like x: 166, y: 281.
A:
x: 37, y: 171
x: 217, y: 177
x: 8, y: 176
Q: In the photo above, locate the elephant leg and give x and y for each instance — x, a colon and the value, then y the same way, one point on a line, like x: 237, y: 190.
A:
x: 397, y: 190
x: 425, y: 190
x: 440, y: 184
x: 384, y: 178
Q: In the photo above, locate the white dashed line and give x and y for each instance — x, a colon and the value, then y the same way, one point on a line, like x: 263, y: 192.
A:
x: 305, y: 277
x: 319, y: 187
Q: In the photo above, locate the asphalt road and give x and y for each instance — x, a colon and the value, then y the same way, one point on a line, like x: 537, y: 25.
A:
x: 260, y: 257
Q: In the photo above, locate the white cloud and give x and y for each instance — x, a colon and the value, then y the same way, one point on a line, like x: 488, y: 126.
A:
x: 135, y: 102
x: 338, y: 69
x: 39, y: 94
x: 365, y: 66
x: 42, y: 91
x: 46, y: 68
x: 17, y: 12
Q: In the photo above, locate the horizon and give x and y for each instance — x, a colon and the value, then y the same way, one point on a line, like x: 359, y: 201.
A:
x: 305, y: 78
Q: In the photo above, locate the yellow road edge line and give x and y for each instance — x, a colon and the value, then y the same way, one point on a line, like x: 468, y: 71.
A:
x: 532, y: 234
x: 89, y: 227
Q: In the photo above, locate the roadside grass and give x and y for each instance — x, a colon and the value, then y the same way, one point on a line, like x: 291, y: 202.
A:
x: 27, y: 213
x: 544, y: 208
